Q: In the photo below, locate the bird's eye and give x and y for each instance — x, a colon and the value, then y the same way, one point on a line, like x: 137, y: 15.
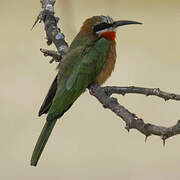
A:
x: 101, y: 27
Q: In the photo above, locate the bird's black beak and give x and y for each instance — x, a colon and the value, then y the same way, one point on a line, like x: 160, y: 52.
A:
x: 124, y: 22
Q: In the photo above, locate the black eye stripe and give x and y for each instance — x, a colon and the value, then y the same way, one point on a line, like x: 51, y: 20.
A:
x: 101, y: 26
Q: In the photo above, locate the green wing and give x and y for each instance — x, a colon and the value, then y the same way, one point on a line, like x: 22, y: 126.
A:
x: 77, y: 71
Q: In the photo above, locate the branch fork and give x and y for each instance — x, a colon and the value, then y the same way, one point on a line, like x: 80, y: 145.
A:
x: 104, y: 94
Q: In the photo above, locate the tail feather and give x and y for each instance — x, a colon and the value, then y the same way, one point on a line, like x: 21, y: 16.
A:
x: 42, y: 140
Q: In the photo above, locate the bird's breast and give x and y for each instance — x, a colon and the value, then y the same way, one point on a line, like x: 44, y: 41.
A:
x: 109, y: 65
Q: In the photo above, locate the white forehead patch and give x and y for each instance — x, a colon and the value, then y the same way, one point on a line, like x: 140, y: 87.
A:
x: 107, y: 19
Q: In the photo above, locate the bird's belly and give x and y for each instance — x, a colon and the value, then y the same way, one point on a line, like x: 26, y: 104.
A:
x: 109, y: 65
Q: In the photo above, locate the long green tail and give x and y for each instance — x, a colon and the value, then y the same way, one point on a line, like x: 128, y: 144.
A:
x: 42, y: 140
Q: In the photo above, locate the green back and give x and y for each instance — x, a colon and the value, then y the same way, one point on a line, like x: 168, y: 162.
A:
x: 78, y: 69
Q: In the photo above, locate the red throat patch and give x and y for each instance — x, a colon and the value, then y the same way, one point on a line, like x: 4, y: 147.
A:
x: 110, y: 35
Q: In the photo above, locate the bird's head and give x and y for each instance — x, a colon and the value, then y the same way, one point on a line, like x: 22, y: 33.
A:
x: 104, y: 26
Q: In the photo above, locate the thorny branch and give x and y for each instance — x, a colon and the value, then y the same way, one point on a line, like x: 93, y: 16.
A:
x: 54, y: 54
x: 53, y: 33
x: 103, y: 94
x: 141, y: 90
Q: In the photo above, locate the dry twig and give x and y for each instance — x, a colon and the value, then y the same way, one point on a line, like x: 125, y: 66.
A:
x: 103, y: 94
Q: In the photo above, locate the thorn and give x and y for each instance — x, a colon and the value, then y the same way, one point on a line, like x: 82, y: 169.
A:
x: 178, y: 122
x: 127, y: 128
x: 134, y: 115
x: 164, y: 142
x: 57, y: 19
x: 146, y: 138
x: 49, y: 42
x: 123, y: 93
x: 147, y: 94
x: 51, y: 61
x: 104, y: 106
x: 164, y: 137
x: 166, y: 99
x: 36, y: 21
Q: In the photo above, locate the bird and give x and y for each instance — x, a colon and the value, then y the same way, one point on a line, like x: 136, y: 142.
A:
x: 90, y: 59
